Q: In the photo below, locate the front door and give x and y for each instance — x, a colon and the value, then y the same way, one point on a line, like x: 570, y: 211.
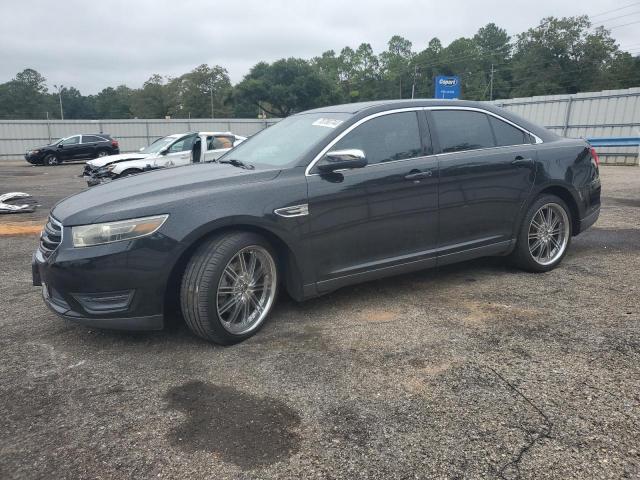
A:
x: 179, y: 153
x: 486, y: 172
x: 69, y: 148
x: 379, y: 216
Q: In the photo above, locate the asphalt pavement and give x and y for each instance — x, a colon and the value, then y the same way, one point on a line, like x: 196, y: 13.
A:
x: 475, y: 370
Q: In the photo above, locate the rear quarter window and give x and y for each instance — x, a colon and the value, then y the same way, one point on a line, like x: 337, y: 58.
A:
x: 507, y: 134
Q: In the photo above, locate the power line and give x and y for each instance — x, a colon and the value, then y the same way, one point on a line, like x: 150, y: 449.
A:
x: 623, y: 25
x: 614, y: 10
x: 599, y: 22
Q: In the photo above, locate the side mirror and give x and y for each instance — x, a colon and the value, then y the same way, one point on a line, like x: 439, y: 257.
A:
x: 341, y: 159
x: 60, y: 145
x: 164, y: 151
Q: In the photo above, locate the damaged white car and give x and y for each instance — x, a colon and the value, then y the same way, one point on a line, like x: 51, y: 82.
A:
x: 172, y: 151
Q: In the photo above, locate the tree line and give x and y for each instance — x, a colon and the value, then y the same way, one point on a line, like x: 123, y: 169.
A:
x: 559, y: 55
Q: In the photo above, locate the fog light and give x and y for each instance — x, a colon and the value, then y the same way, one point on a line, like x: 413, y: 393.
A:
x: 105, y: 302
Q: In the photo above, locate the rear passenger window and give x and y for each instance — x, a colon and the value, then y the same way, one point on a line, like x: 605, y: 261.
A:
x: 460, y: 130
x: 507, y: 134
x: 91, y: 139
x: 386, y: 138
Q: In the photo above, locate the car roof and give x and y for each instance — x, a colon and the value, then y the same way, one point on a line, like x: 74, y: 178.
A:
x: 358, y: 107
x: 366, y: 108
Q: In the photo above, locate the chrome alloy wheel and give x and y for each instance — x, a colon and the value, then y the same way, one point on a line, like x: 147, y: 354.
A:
x: 549, y: 232
x: 102, y: 153
x: 246, y: 290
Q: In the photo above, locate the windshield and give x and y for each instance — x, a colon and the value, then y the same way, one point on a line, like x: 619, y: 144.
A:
x: 159, y: 144
x: 283, y: 144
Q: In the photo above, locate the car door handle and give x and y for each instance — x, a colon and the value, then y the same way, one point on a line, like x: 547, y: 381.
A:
x: 418, y: 175
x: 522, y: 162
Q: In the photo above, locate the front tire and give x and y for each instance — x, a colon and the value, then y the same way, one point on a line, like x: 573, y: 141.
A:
x: 51, y: 160
x: 544, y: 236
x: 229, y: 287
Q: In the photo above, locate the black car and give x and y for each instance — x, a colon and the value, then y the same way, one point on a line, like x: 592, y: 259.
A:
x: 322, y: 199
x: 92, y: 145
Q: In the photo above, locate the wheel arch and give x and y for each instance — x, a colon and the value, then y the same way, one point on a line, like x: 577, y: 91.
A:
x: 286, y: 259
x: 568, y: 197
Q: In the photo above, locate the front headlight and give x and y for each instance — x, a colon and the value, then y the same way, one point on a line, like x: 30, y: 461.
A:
x: 99, y: 233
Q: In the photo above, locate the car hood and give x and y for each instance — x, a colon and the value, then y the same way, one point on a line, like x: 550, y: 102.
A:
x: 154, y: 192
x: 123, y: 157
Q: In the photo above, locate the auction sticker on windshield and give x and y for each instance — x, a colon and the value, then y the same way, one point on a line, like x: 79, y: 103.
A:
x: 327, y: 122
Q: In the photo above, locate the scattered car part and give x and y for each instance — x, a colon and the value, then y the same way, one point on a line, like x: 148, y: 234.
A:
x: 7, y: 205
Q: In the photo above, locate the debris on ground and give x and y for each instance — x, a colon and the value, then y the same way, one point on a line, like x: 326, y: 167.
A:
x: 8, y: 203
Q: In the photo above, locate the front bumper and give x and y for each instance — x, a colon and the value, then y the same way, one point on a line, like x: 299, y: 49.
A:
x: 117, y: 286
x: 33, y: 159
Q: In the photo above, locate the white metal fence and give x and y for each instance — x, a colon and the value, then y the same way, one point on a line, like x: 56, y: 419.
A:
x: 17, y: 136
x: 610, y: 113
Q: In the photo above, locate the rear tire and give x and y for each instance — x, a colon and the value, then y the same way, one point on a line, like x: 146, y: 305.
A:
x: 51, y: 160
x: 102, y: 153
x: 229, y: 287
x: 544, y: 236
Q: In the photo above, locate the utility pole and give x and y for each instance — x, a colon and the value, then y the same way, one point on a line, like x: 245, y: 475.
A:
x: 59, y: 88
x: 491, y: 84
x: 413, y: 87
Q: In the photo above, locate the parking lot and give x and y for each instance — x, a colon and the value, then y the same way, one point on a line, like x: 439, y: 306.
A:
x: 475, y: 370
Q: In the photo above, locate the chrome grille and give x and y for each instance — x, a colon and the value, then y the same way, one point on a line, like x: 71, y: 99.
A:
x: 51, y: 236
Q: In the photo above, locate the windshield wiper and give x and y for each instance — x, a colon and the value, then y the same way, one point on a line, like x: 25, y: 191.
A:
x: 237, y: 163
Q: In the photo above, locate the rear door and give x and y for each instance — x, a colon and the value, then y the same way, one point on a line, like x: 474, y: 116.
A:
x: 217, y: 146
x: 379, y: 216
x: 486, y: 173
x: 90, y: 145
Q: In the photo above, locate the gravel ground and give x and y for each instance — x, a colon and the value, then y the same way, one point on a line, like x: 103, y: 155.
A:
x: 475, y: 370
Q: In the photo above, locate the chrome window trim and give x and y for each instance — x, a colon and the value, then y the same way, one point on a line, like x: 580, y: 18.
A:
x: 317, y: 158
x: 352, y: 127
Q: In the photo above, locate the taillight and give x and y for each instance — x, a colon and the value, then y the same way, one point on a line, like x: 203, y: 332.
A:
x: 114, y: 144
x: 595, y: 157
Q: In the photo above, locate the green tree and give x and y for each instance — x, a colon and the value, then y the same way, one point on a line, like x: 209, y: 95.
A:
x: 285, y: 87
x: 201, y: 93
x: 114, y: 102
x: 150, y: 100
x: 25, y: 96
x: 562, y: 56
x: 395, y: 67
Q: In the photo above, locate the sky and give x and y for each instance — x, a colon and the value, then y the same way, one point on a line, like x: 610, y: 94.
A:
x: 94, y: 44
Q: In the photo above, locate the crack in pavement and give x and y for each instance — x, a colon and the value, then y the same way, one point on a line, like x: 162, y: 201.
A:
x: 545, y: 432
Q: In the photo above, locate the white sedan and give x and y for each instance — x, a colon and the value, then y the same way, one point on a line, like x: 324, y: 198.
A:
x: 172, y: 151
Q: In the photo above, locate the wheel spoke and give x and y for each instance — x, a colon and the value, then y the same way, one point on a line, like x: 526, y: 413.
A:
x: 227, y: 305
x: 236, y: 311
x: 253, y: 260
x: 231, y: 273
x: 226, y: 289
x: 243, y: 264
x: 254, y: 300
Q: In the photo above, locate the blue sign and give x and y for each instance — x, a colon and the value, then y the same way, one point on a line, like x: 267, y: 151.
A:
x: 447, y: 87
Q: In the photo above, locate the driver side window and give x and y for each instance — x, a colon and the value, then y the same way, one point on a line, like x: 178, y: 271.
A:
x: 386, y: 138
x: 71, y: 141
x: 183, y: 144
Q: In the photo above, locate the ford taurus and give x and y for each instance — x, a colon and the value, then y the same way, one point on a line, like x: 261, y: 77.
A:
x: 323, y: 199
